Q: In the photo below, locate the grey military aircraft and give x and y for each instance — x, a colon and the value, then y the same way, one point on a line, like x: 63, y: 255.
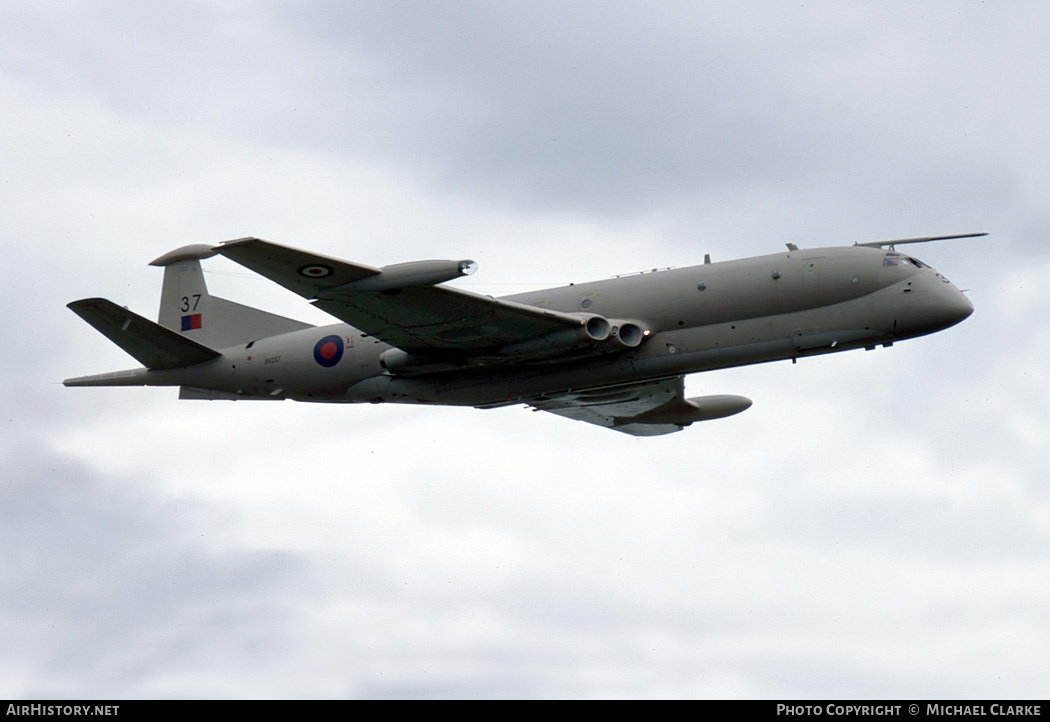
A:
x: 612, y: 353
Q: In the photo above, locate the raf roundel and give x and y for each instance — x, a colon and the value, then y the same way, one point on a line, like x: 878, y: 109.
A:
x: 315, y: 270
x: 328, y: 351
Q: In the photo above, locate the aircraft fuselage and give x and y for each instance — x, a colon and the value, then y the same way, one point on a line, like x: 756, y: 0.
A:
x: 701, y: 318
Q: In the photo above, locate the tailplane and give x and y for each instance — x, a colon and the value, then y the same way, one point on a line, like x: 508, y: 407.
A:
x: 152, y: 345
x: 188, y: 309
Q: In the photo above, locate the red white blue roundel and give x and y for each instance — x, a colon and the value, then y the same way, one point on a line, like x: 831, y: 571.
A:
x: 328, y: 351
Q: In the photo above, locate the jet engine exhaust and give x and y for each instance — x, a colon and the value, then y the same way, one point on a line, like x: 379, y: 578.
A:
x: 627, y: 334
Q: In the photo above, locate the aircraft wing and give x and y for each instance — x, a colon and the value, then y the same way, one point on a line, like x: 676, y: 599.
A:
x: 645, y: 408
x: 419, y: 318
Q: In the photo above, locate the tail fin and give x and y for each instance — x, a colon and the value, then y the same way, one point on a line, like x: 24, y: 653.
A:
x: 152, y: 345
x: 187, y: 308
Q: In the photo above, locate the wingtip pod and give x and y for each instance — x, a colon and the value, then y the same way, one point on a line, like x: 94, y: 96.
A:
x: 698, y: 408
x: 315, y: 276
x: 718, y: 406
x: 409, y: 275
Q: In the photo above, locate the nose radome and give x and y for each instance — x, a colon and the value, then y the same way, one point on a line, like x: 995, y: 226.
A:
x: 954, y: 306
x: 963, y: 306
x: 931, y: 305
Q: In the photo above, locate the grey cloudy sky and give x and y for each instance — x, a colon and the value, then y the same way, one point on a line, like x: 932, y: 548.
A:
x: 877, y: 525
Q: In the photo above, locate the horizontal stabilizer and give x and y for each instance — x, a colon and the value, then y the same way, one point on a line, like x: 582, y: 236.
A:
x: 151, y: 344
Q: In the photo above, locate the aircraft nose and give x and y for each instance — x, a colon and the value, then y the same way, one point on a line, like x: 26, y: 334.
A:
x: 933, y: 305
x: 949, y: 306
x: 957, y: 307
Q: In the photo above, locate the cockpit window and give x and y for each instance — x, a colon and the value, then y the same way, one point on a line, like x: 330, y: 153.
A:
x: 895, y: 259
